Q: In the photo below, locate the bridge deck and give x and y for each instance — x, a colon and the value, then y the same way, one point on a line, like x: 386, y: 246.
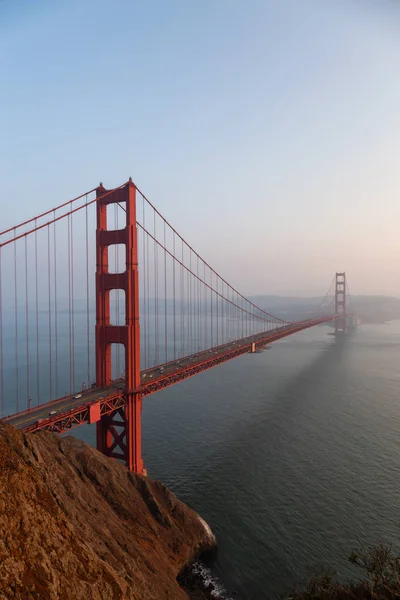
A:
x: 72, y: 411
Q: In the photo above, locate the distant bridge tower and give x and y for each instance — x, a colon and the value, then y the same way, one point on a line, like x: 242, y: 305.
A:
x: 340, y: 303
x: 119, y: 433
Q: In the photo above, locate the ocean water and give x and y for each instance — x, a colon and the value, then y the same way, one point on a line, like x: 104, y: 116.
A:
x: 291, y: 455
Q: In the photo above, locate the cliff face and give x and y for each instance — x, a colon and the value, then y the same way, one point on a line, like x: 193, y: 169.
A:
x: 76, y: 525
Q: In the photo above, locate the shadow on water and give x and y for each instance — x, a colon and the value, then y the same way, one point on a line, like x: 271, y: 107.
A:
x: 260, y: 463
x: 286, y: 402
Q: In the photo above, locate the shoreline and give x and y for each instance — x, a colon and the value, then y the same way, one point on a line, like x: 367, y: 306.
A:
x: 199, y: 583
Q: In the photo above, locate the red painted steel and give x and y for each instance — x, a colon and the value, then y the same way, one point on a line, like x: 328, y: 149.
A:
x: 114, y: 400
x: 115, y: 406
x: 126, y: 440
x: 63, y: 421
x: 94, y: 413
x: 340, y: 303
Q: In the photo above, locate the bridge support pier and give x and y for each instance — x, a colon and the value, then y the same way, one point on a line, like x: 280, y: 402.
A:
x: 119, y: 434
x: 340, y: 304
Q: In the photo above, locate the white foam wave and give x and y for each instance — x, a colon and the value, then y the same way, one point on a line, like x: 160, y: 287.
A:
x: 210, y: 582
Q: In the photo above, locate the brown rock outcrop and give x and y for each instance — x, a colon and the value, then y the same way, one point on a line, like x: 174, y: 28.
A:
x: 75, y: 525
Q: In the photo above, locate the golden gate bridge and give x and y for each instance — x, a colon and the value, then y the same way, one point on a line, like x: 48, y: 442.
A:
x: 95, y: 319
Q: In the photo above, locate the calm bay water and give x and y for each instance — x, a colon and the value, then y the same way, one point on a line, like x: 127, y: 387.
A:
x: 291, y: 455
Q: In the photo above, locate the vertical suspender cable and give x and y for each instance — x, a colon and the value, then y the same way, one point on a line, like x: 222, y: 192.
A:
x: 49, y: 308
x: 233, y: 314
x: 245, y: 320
x: 238, y: 314
x: 37, y: 320
x: 72, y: 306
x: 174, y: 300
x: 211, y: 295
x: 232, y: 318
x: 242, y: 320
x: 198, y: 304
x: 148, y: 300
x: 245, y: 317
x: 158, y: 305
x: 1, y: 340
x: 217, y: 310
x: 225, y: 314
x: 155, y: 256
x: 228, y: 314
x: 186, y: 310
x: 69, y: 304
x: 189, y: 285
x: 16, y: 325
x: 55, y: 307
x: 28, y: 388
x: 182, y: 307
x: 195, y: 307
x: 153, y: 288
x: 222, y: 315
x: 189, y: 295
x: 165, y: 295
x: 248, y: 323
x: 87, y: 298
x: 205, y: 308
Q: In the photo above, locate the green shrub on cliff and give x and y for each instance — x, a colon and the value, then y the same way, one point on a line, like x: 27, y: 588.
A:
x: 380, y: 579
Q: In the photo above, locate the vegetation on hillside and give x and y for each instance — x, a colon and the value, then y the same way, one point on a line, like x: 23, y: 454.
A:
x: 380, y: 579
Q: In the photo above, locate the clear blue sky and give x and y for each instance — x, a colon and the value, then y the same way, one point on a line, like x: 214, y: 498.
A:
x: 267, y: 132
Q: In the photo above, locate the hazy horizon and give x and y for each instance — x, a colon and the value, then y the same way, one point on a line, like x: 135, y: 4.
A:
x: 266, y: 134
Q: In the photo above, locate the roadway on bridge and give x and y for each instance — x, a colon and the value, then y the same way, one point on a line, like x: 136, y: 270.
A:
x: 62, y: 414
x: 52, y: 409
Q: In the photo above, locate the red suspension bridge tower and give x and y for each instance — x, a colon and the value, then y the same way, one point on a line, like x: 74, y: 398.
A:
x: 119, y: 433
x: 340, y: 303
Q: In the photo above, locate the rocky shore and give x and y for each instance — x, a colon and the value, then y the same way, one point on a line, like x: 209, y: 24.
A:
x: 74, y: 524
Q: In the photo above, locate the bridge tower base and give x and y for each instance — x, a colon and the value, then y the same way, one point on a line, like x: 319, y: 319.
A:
x: 340, y: 303
x: 119, y: 434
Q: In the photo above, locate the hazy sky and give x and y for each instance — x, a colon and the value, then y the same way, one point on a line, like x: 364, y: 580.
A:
x: 267, y: 132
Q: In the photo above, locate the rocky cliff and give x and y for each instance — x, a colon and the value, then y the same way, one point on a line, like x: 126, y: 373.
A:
x: 76, y: 525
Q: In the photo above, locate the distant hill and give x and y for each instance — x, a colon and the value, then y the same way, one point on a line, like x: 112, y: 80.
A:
x: 371, y: 309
